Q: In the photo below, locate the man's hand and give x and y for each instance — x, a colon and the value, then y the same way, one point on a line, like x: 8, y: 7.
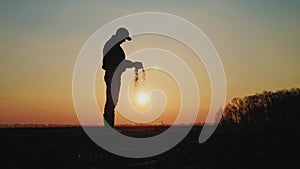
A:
x: 138, y: 65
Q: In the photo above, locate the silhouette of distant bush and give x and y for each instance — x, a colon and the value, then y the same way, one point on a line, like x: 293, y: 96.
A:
x: 266, y: 109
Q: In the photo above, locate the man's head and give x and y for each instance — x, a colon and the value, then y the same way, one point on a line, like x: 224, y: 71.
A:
x: 123, y: 34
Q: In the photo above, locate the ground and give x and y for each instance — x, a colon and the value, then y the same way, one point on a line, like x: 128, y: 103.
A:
x: 71, y: 148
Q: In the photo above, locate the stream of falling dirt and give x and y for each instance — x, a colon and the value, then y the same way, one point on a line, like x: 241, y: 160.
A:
x: 137, y: 78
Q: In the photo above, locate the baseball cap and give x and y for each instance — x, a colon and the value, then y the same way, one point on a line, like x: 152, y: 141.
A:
x: 122, y: 33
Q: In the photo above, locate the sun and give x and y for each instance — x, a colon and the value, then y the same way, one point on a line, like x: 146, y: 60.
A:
x: 142, y: 98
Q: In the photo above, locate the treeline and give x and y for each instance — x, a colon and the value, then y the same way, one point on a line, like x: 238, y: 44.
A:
x: 266, y: 109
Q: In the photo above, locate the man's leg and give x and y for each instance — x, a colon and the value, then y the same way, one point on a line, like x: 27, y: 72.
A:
x: 109, y: 108
x: 109, y: 105
x: 112, y: 95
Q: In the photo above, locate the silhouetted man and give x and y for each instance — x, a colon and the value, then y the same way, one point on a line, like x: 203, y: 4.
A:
x: 114, y: 56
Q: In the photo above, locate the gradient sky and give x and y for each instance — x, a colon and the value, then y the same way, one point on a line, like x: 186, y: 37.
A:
x: 258, y: 43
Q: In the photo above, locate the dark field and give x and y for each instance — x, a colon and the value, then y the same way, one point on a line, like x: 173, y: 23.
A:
x: 71, y: 148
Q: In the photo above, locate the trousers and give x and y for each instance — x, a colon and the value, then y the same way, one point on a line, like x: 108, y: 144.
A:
x: 113, y: 83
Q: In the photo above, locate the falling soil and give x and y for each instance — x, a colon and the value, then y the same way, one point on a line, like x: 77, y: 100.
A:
x: 138, y: 76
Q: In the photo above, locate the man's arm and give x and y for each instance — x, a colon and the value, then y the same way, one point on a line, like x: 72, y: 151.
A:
x: 130, y: 64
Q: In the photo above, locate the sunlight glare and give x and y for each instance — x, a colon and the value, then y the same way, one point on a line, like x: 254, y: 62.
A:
x: 142, y: 98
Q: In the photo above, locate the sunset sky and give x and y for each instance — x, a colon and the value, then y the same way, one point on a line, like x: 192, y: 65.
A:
x: 258, y: 43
